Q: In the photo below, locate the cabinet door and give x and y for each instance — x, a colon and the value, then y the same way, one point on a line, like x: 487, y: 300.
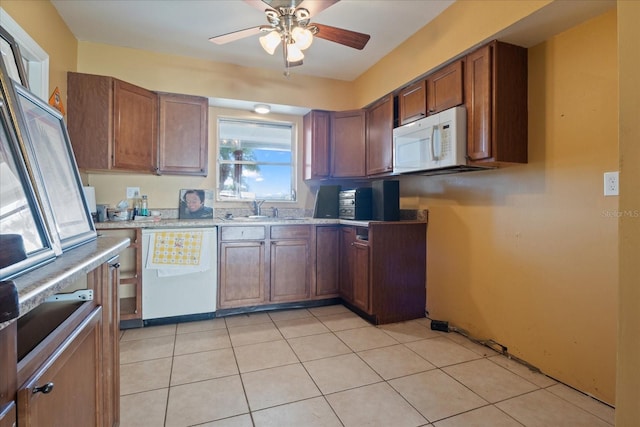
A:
x: 135, y: 123
x: 478, y: 102
x: 183, y: 137
x: 316, y: 145
x: 347, y: 237
x: 444, y: 88
x: 412, y: 103
x: 242, y: 275
x: 327, y: 257
x: 289, y: 270
x: 361, y: 294
x: 348, y: 147
x: 73, y: 375
x: 380, y: 137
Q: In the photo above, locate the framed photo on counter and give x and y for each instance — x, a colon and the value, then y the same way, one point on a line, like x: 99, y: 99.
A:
x: 195, y: 204
x: 51, y: 163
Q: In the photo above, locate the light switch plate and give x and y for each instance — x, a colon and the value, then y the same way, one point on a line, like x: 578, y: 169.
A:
x: 132, y: 192
x: 611, y: 184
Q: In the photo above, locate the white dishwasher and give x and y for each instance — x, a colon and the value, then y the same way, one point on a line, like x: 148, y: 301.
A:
x: 179, y: 273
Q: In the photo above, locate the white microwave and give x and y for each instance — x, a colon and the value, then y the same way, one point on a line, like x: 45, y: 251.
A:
x: 432, y: 143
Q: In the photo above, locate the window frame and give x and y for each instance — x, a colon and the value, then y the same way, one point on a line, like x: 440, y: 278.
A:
x: 293, y: 126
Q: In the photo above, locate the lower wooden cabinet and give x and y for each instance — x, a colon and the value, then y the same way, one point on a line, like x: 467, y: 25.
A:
x: 242, y: 274
x: 327, y: 256
x: 290, y: 266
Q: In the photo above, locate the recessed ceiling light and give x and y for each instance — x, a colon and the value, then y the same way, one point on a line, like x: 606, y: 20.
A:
x: 262, y: 108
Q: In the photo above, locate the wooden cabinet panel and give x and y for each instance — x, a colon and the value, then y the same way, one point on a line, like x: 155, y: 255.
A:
x: 256, y: 232
x: 347, y: 237
x: 380, y: 137
x: 183, y: 137
x: 242, y: 274
x: 316, y: 145
x: 496, y: 102
x: 327, y: 260
x: 412, y: 102
x: 289, y: 270
x: 74, y: 375
x: 361, y: 280
x: 348, y: 144
x: 135, y: 119
x: 445, y: 88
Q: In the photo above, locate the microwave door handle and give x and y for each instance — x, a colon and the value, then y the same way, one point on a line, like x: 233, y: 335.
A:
x: 432, y: 143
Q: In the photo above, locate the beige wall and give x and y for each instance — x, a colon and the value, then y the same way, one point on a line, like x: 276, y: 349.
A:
x: 526, y: 256
x: 628, y: 379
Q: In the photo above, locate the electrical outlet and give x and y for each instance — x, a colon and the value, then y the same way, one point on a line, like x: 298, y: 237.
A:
x: 133, y: 192
x: 611, y: 184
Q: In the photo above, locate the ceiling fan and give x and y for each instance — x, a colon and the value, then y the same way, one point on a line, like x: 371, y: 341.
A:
x: 289, y: 23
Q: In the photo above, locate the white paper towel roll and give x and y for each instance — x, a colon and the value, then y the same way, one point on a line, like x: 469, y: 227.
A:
x: 90, y: 196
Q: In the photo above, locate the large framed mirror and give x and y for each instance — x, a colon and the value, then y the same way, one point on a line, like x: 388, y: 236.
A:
x: 25, y: 241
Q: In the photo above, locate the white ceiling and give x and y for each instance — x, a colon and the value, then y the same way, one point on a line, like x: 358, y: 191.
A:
x: 184, y: 27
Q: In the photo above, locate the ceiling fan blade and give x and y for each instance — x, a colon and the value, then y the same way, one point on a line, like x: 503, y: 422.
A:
x: 342, y: 36
x: 236, y: 35
x: 316, y: 6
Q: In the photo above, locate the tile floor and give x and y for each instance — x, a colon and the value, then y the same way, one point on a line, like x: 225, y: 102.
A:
x: 326, y: 366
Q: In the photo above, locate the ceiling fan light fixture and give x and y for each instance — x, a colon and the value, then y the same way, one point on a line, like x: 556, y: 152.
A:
x: 303, y: 37
x: 262, y: 108
x: 270, y: 42
x: 294, y: 54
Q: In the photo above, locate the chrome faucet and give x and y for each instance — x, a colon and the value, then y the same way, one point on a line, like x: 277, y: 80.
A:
x: 256, y: 206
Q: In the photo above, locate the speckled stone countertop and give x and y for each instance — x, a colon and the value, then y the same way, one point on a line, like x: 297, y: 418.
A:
x: 34, y: 287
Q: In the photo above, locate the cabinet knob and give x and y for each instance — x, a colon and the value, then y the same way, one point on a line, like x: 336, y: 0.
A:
x: 45, y: 389
x: 116, y: 265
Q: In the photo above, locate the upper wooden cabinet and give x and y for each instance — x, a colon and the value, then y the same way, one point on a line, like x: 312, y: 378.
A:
x: 348, y: 144
x: 114, y: 125
x: 380, y: 137
x: 182, y: 143
x: 316, y: 145
x: 412, y: 103
x: 445, y: 88
x: 496, y: 102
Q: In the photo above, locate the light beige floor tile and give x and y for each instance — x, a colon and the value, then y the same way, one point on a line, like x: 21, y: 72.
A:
x: 254, y: 334
x: 202, y: 341
x: 247, y: 319
x: 143, y: 409
x: 395, y: 361
x: 203, y: 365
x: 144, y: 376
x: 589, y: 404
x: 277, y: 386
x: 329, y: 309
x: 264, y: 355
x: 376, y: 405
x: 202, y: 325
x: 491, y: 382
x: 339, y: 373
x: 442, y: 351
x: 298, y: 313
x: 301, y: 327
x: 412, y: 330
x: 314, y: 412
x: 147, y: 349
x: 480, y: 349
x: 205, y: 401
x: 148, y: 332
x: 238, y: 421
x: 342, y: 321
x: 318, y: 346
x: 436, y: 395
x: 542, y: 409
x: 365, y: 338
x: 487, y: 416
x: 534, y: 377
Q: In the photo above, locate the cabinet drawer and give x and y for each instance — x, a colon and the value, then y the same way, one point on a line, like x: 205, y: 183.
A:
x: 242, y: 233
x: 290, y: 231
